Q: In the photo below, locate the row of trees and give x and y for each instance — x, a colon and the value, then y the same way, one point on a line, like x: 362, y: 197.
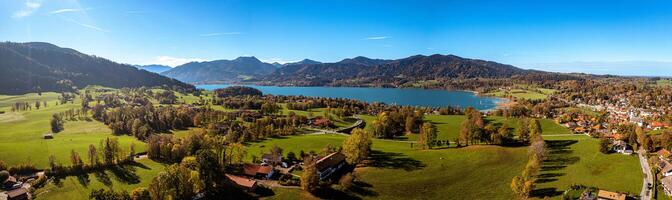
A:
x: 24, y: 106
x: 108, y: 153
x: 523, y: 185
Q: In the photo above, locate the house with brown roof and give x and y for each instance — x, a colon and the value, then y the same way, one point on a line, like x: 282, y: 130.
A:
x: 667, y: 185
x: 242, y: 182
x: 258, y: 171
x: 607, y: 195
x: 18, y: 194
x: 329, y: 164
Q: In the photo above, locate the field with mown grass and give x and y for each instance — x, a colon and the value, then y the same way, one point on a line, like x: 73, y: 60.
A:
x: 21, y: 133
x: 448, y: 126
x: 577, y: 160
x: 127, y: 177
x: 523, y: 92
x: 476, y: 172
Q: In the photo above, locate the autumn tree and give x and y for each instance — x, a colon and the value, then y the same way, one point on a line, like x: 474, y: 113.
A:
x: 357, y: 146
x: 427, y: 136
x: 523, y: 131
x: 309, y: 178
x: 604, y: 145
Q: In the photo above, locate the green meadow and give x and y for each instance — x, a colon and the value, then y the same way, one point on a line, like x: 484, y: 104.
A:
x: 21, y: 133
x: 577, y: 160
x: 397, y: 171
x: 127, y: 177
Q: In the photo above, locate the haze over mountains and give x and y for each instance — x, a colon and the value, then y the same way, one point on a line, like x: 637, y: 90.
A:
x: 30, y: 67
x: 38, y: 66
x: 309, y: 72
x: 154, y: 68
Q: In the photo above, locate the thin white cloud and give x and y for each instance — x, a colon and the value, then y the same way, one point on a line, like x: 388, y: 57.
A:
x: 219, y: 33
x: 68, y: 10
x: 173, y: 61
x: 29, y: 8
x: 89, y: 26
x: 377, y: 38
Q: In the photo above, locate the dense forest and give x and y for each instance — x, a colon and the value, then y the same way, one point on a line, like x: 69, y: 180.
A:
x: 39, y: 67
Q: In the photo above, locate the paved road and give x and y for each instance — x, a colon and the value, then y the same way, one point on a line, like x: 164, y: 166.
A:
x: 648, y: 178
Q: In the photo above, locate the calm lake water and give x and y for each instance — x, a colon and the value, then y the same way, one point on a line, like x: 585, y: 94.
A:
x: 398, y: 96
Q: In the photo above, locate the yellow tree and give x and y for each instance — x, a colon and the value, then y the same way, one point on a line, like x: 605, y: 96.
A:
x: 357, y: 146
x: 427, y: 135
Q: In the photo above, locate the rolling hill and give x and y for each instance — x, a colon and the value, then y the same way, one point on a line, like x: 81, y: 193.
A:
x: 38, y: 66
x: 221, y: 71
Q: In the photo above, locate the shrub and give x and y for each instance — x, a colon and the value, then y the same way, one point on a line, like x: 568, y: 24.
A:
x: 26, y: 168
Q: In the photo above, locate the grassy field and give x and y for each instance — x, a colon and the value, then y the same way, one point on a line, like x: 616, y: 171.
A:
x: 126, y: 178
x: 295, y: 144
x: 21, y: 133
x: 576, y: 160
x: 523, y: 92
x: 400, y: 172
x: 475, y: 172
x: 448, y: 126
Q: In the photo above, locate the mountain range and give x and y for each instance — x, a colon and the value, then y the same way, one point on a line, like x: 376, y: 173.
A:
x: 39, y: 66
x: 309, y: 72
x: 221, y: 71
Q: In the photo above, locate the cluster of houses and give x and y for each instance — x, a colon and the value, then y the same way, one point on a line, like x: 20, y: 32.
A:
x: 665, y: 168
x: 272, y: 166
x: 14, y: 189
x: 583, y: 124
x: 602, y: 195
x: 622, y: 112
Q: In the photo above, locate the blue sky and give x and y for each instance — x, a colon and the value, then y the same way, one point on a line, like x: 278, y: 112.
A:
x: 611, y: 36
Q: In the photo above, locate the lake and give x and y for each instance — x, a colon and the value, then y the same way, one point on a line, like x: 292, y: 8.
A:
x: 398, y: 96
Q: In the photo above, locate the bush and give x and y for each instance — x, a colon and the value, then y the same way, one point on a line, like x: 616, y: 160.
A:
x: 289, y: 180
x: 4, y: 175
x: 26, y: 168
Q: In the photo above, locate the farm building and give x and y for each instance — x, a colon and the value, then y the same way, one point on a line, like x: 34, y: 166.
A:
x: 329, y: 164
x: 242, y: 182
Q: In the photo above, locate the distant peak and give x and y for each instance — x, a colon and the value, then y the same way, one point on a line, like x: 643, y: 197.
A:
x: 247, y: 59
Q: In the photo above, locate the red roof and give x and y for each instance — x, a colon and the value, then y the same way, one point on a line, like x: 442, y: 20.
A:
x: 253, y: 170
x: 241, y: 181
x: 658, y: 124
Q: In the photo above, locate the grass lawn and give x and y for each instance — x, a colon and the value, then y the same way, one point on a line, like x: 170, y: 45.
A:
x: 448, y: 126
x: 524, y: 92
x: 399, y: 172
x: 126, y: 178
x: 21, y: 133
x: 294, y: 144
x: 576, y: 160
